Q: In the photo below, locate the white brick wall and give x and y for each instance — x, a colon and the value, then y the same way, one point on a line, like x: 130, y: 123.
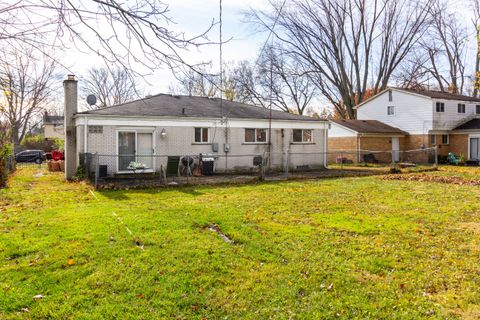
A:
x: 179, y: 141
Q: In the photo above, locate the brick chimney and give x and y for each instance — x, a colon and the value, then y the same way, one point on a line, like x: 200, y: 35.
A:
x: 70, y: 91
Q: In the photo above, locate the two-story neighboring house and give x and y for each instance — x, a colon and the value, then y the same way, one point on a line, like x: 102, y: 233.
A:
x: 430, y: 118
x: 53, y: 127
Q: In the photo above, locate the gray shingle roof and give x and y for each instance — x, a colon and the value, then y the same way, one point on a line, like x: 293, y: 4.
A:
x: 164, y: 105
x: 473, y: 124
x: 441, y: 95
x: 369, y: 126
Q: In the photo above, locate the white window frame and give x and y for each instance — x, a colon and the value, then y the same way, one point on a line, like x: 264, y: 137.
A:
x: 441, y: 105
x: 255, y: 136
x: 390, y: 96
x: 460, y: 107
x: 302, y: 134
x: 136, y: 131
x: 433, y: 139
x: 201, y: 135
x: 392, y: 109
x: 448, y: 139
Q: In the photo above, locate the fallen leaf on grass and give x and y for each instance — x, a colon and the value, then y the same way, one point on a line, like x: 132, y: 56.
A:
x: 432, y: 178
x: 38, y: 297
x: 71, y: 262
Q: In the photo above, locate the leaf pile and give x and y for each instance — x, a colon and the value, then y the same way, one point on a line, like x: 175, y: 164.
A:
x: 422, y: 177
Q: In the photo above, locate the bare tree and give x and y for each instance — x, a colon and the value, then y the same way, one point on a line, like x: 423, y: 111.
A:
x: 27, y: 83
x: 476, y: 24
x: 445, y: 47
x: 111, y: 86
x: 282, y: 80
x: 347, y: 46
x: 203, y: 83
x: 121, y: 32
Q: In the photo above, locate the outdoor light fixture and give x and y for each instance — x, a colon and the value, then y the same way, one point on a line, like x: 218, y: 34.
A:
x: 163, y: 133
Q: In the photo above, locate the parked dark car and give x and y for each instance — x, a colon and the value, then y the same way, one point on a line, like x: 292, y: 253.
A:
x: 37, y: 156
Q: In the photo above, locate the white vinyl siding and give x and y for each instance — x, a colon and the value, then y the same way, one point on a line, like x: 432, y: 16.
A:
x: 337, y: 131
x: 456, y: 113
x: 413, y: 113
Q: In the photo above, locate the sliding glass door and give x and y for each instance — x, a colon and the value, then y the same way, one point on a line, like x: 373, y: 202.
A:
x: 126, y: 149
x: 145, y: 149
x: 135, y: 147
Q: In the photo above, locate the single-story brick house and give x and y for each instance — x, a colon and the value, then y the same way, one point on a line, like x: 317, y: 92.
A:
x: 166, y: 125
x: 350, y: 139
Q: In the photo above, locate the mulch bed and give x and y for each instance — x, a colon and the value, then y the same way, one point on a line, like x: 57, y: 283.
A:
x: 422, y: 177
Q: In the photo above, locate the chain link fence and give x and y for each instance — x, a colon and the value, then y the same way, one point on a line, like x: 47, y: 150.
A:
x: 165, y: 169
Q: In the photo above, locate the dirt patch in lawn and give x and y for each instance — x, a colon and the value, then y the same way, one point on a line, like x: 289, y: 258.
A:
x: 422, y: 177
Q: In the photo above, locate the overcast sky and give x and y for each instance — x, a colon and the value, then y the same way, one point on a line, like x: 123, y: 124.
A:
x: 194, y: 17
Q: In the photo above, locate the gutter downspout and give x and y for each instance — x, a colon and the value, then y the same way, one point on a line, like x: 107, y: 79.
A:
x: 359, y: 147
x: 85, y: 135
x: 325, y: 143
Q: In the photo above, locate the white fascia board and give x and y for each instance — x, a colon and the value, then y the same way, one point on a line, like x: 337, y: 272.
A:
x: 393, y: 89
x: 197, y: 122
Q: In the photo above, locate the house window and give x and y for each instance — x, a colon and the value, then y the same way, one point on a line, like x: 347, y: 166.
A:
x: 302, y: 135
x: 201, y: 135
x: 95, y: 129
x: 390, y: 96
x: 255, y: 135
x: 390, y: 110
x: 477, y: 109
x: 440, y: 107
x: 445, y: 139
x: 433, y: 140
x: 461, y: 108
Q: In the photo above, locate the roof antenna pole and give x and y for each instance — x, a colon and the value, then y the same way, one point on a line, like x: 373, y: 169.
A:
x: 221, y: 61
x: 270, y: 107
x: 222, y: 119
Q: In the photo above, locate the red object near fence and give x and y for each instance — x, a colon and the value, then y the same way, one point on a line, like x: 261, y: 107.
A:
x: 57, y: 155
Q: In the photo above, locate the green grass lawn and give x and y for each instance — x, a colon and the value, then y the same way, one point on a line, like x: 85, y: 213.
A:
x: 346, y: 248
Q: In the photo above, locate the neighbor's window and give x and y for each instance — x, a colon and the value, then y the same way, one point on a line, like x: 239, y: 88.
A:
x: 255, y: 135
x: 461, y: 108
x: 95, y: 129
x: 477, y: 109
x: 433, y: 140
x: 390, y: 110
x: 201, y: 134
x: 390, y: 96
x: 440, y: 107
x: 302, y: 135
x: 445, y: 138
